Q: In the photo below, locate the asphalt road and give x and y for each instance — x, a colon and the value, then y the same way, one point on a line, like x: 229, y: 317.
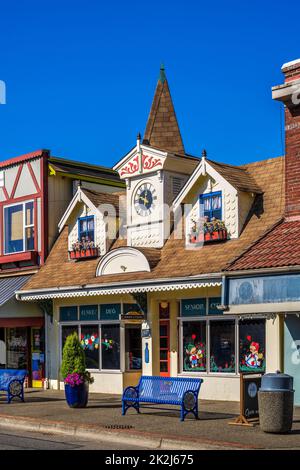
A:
x: 24, y: 440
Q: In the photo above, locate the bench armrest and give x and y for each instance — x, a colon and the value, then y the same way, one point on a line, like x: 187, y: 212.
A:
x: 131, y: 392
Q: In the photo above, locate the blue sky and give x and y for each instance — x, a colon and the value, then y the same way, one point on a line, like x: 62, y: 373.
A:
x: 80, y: 76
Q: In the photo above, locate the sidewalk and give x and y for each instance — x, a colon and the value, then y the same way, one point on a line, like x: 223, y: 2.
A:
x: 47, y: 411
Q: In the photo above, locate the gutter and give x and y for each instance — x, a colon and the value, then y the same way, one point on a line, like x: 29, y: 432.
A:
x: 258, y: 271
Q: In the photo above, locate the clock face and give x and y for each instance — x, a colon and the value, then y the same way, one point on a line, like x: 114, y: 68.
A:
x: 144, y: 200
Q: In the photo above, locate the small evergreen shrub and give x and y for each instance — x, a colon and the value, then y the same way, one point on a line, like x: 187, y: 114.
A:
x: 73, y: 360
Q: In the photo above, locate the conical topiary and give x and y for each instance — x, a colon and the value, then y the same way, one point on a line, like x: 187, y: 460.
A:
x: 73, y: 360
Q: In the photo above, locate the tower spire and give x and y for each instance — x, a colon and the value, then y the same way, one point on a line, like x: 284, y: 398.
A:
x: 162, y: 130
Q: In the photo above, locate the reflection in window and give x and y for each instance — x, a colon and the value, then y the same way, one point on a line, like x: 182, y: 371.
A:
x: 110, y: 347
x: 252, y: 345
x: 222, y: 346
x: 194, y: 346
x: 19, y: 228
x: 90, y: 343
x: 133, y: 347
x: 67, y: 330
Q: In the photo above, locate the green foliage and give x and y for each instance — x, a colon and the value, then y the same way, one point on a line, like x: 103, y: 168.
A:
x: 73, y: 357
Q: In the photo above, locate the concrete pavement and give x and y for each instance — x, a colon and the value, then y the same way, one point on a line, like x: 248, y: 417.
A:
x: 154, y: 427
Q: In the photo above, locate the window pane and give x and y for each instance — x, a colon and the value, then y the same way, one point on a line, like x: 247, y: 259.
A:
x: 29, y: 238
x: 217, y: 214
x: 66, y: 331
x: 222, y: 346
x: 110, y: 341
x: 194, y: 346
x: 207, y: 203
x: 16, y: 348
x: 163, y: 367
x: 216, y: 202
x: 252, y: 345
x: 133, y: 347
x: 29, y: 213
x: 86, y: 228
x: 90, y: 343
x: 13, y: 219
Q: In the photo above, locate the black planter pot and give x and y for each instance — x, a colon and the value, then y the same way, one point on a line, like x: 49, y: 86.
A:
x: 77, y: 396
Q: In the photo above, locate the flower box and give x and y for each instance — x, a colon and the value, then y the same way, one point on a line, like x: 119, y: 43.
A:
x: 84, y: 254
x: 205, y: 237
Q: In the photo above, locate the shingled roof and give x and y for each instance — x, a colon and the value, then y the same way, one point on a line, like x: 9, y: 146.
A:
x: 162, y: 130
x: 174, y: 260
x: 238, y: 176
x: 279, y: 247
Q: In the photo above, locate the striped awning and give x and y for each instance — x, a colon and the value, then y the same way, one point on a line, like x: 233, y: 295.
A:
x: 9, y: 286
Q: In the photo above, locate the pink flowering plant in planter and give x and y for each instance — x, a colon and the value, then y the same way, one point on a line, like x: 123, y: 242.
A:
x: 73, y: 369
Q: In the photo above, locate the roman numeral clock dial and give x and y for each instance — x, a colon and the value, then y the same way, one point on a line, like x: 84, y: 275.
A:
x: 144, y: 200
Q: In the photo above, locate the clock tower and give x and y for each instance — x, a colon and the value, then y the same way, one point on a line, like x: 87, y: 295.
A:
x: 155, y: 171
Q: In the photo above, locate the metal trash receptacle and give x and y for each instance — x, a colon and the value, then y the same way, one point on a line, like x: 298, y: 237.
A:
x: 276, y: 403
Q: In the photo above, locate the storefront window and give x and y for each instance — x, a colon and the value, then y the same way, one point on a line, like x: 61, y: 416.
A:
x: 90, y: 343
x: 222, y: 346
x: 110, y: 347
x: 17, y: 348
x: 67, y: 330
x: 194, y: 346
x: 252, y: 345
x: 133, y: 347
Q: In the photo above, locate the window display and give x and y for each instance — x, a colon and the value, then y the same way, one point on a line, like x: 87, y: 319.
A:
x: 194, y: 346
x: 90, y: 344
x: 17, y: 348
x: 222, y: 346
x: 252, y: 345
x: 110, y: 347
x: 133, y: 347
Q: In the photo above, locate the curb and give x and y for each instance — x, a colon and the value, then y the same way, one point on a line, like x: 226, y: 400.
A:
x: 120, y: 436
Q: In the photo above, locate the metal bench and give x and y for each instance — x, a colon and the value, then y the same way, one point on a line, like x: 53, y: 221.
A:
x: 181, y: 391
x: 12, y: 382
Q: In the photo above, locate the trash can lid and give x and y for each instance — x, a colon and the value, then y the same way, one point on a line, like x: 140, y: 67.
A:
x: 276, y: 382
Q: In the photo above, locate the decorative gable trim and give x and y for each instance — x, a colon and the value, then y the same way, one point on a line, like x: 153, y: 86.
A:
x: 123, y: 260
x: 142, y: 159
x: 80, y: 196
x: 204, y: 168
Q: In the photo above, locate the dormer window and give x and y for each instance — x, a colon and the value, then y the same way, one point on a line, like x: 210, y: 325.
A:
x: 211, y: 204
x: 86, y: 229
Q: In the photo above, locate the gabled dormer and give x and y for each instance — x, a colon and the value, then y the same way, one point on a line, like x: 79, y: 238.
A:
x: 217, y: 200
x: 93, y: 223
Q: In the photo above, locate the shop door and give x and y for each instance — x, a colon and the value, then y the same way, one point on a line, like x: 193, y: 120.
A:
x: 292, y: 352
x: 164, y: 348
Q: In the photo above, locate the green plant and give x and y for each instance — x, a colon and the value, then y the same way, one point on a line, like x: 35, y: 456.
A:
x: 73, y: 360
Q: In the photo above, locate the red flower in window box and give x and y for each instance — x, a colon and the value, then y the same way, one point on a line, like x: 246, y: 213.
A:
x: 214, y: 230
x: 84, y: 249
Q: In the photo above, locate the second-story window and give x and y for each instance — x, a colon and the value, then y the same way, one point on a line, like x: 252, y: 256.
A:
x: 19, y: 227
x: 211, y: 205
x: 86, y: 228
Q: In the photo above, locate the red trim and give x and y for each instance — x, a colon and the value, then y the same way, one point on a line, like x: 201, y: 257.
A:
x: 35, y: 222
x: 2, y: 230
x: 16, y: 181
x: 24, y: 157
x: 17, y: 257
x: 44, y: 209
x: 167, y: 324
x: 21, y: 322
x: 19, y: 199
x: 5, y: 193
x: 38, y: 189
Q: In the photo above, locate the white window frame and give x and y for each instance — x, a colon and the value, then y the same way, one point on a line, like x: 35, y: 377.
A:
x: 23, y: 204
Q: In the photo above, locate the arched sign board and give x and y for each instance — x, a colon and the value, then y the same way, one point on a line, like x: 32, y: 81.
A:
x: 249, y: 413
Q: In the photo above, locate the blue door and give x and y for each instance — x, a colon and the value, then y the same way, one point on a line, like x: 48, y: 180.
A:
x: 292, y: 352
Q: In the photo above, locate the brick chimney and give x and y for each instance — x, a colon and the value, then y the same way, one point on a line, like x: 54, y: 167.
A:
x: 289, y: 94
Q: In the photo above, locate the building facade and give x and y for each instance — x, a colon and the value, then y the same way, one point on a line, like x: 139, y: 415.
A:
x: 35, y: 190
x: 151, y: 299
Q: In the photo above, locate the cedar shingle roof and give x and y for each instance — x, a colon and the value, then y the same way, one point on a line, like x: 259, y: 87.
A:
x: 162, y: 130
x: 99, y: 198
x: 237, y: 176
x: 279, y: 247
x: 174, y: 260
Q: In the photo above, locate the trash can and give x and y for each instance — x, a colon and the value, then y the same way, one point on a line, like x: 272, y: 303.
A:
x: 276, y: 403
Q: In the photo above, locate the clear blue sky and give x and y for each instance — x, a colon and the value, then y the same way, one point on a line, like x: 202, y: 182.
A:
x: 81, y: 76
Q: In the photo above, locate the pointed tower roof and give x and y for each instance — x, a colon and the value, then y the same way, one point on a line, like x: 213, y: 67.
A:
x: 162, y: 130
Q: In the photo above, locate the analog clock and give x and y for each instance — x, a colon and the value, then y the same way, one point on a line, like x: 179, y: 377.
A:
x: 144, y: 200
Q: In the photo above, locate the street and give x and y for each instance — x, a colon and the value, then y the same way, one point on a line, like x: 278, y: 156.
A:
x: 24, y: 440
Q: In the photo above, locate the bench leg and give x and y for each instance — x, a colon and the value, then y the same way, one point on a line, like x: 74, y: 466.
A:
x: 125, y: 407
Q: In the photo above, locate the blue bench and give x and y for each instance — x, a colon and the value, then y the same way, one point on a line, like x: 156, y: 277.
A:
x: 12, y: 382
x: 181, y: 391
